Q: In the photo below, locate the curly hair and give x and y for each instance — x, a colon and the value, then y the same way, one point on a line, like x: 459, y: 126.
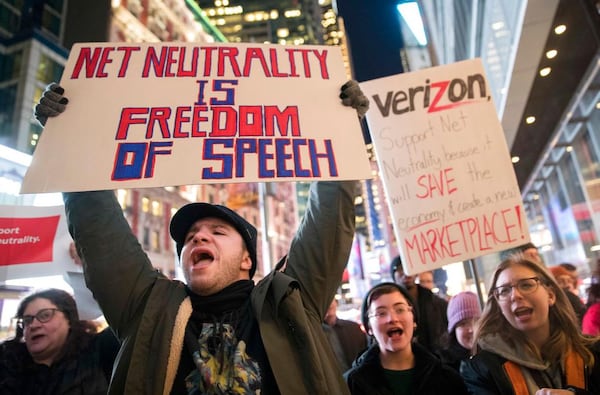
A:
x: 80, y: 332
x: 564, y: 332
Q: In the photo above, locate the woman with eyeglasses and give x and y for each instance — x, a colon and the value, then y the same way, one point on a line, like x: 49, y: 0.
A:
x: 395, y: 363
x: 54, y: 352
x: 527, y: 340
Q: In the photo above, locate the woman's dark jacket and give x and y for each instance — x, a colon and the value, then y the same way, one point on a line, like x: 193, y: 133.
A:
x: 430, y: 377
x: 485, y: 375
x: 86, y: 373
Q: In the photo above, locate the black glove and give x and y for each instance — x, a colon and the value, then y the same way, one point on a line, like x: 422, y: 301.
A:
x: 354, y: 97
x: 51, y: 103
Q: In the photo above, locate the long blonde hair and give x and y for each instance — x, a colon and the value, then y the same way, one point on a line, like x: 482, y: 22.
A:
x: 565, y: 334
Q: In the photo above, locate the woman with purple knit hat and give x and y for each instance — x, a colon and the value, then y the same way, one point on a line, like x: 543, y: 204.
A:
x: 463, y: 312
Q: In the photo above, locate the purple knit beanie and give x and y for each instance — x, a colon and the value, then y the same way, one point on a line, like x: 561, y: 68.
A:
x: 463, y: 305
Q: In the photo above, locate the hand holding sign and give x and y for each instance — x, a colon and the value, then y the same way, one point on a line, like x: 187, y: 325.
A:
x: 224, y: 114
x: 51, y: 103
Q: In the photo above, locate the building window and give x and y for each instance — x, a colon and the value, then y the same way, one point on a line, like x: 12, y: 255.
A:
x: 10, y: 66
x: 156, y: 241
x: 7, y: 108
x: 145, y: 204
x: 48, y: 70
x: 157, y: 208
x: 10, y: 17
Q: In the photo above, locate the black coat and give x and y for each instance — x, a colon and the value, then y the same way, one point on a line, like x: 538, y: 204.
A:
x: 432, y: 320
x: 430, y: 377
x: 86, y: 374
x: 453, y: 355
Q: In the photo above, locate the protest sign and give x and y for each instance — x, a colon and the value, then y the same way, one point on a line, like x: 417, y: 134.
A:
x: 34, y: 242
x: 166, y: 114
x: 445, y: 165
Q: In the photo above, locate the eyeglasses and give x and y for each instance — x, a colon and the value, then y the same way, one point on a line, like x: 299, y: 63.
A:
x: 44, y: 315
x: 524, y: 286
x: 384, y: 314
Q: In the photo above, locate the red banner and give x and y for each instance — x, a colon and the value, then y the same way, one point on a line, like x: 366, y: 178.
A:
x: 27, y: 240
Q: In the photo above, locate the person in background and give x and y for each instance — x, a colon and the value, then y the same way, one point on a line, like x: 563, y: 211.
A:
x: 426, y: 280
x: 527, y: 339
x: 530, y: 251
x: 433, y: 322
x: 572, y: 269
x: 217, y: 333
x: 54, y: 352
x: 346, y: 337
x: 394, y: 363
x: 463, y: 313
x: 565, y: 281
x: 591, y: 320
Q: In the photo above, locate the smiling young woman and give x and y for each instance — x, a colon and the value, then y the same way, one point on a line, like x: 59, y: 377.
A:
x: 395, y: 363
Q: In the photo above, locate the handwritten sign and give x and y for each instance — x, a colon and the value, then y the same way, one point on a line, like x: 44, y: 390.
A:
x: 148, y: 115
x: 34, y: 242
x: 445, y: 165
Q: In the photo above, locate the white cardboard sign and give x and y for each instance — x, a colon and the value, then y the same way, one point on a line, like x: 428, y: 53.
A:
x: 445, y: 165
x: 165, y: 114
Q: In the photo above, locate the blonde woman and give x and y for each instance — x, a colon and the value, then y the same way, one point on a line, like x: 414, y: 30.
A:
x: 527, y: 340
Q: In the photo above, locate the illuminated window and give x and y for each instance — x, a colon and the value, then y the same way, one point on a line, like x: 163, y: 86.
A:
x: 157, y: 208
x: 48, y: 70
x: 145, y: 204
x: 155, y: 241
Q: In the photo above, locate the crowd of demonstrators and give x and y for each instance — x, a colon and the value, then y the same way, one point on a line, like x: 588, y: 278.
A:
x: 219, y: 332
x: 430, y: 308
x: 527, y: 340
x: 346, y: 337
x: 463, y: 313
x: 54, y: 352
x: 394, y: 363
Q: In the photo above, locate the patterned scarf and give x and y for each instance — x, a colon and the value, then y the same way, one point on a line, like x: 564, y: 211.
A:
x: 217, y: 334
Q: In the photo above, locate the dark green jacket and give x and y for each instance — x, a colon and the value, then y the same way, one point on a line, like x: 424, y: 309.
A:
x: 149, y: 312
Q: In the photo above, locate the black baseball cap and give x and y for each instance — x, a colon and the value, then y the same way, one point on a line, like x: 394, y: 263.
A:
x: 186, y: 216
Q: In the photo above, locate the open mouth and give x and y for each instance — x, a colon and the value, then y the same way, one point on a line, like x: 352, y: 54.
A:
x: 202, y: 256
x: 396, y: 332
x: 523, y: 311
x: 36, y: 337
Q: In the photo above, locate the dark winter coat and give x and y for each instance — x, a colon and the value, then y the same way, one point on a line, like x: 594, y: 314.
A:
x: 453, y: 355
x: 86, y: 374
x: 430, y: 376
x: 433, y: 321
x: 486, y: 374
